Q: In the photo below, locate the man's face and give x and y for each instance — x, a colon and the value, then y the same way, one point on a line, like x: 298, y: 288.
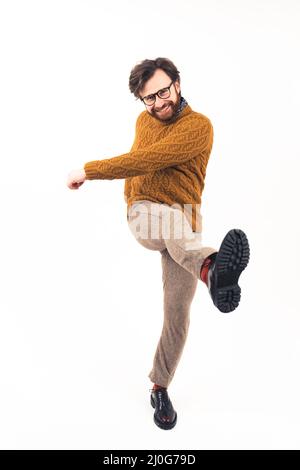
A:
x: 162, y: 109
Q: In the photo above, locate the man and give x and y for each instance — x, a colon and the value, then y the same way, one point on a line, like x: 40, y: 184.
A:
x: 164, y: 176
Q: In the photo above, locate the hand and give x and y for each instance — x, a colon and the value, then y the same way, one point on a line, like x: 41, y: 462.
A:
x: 76, y: 178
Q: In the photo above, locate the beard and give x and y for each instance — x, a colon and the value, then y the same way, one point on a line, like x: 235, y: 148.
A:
x: 171, y: 113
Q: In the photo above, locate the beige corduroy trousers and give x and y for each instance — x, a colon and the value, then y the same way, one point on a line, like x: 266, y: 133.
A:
x: 166, y: 229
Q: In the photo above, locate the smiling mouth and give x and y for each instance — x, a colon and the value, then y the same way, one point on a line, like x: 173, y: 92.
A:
x: 164, y: 109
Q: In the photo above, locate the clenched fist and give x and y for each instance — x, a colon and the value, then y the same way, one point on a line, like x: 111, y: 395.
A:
x: 76, y: 178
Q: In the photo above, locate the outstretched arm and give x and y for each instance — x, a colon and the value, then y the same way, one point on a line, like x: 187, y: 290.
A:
x: 185, y: 143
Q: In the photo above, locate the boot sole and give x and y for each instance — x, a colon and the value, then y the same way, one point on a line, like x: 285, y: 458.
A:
x: 163, y: 425
x: 231, y: 260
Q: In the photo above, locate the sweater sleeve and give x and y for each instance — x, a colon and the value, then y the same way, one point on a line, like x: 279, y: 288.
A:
x: 186, y: 141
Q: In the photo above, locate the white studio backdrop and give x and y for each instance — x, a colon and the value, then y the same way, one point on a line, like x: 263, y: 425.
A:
x: 81, y: 300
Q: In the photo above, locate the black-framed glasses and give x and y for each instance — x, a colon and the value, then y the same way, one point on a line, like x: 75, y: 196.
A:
x: 164, y: 93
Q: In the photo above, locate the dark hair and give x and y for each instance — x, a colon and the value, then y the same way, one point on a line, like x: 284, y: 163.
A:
x: 145, y: 69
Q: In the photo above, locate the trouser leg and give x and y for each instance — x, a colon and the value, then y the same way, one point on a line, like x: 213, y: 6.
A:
x: 179, y: 289
x: 184, y: 245
x: 182, y: 258
x: 156, y: 229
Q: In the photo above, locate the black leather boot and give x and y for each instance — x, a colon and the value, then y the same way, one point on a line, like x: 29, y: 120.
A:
x: 165, y: 416
x: 225, y: 269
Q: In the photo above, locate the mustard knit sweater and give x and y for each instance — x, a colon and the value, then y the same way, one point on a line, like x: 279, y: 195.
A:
x: 166, y: 164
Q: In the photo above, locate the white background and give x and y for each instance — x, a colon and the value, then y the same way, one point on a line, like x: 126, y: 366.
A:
x: 81, y: 300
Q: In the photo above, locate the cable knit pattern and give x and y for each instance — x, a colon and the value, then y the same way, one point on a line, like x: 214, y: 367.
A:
x: 166, y: 164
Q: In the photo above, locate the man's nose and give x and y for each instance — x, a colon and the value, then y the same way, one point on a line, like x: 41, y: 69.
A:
x: 159, y: 103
